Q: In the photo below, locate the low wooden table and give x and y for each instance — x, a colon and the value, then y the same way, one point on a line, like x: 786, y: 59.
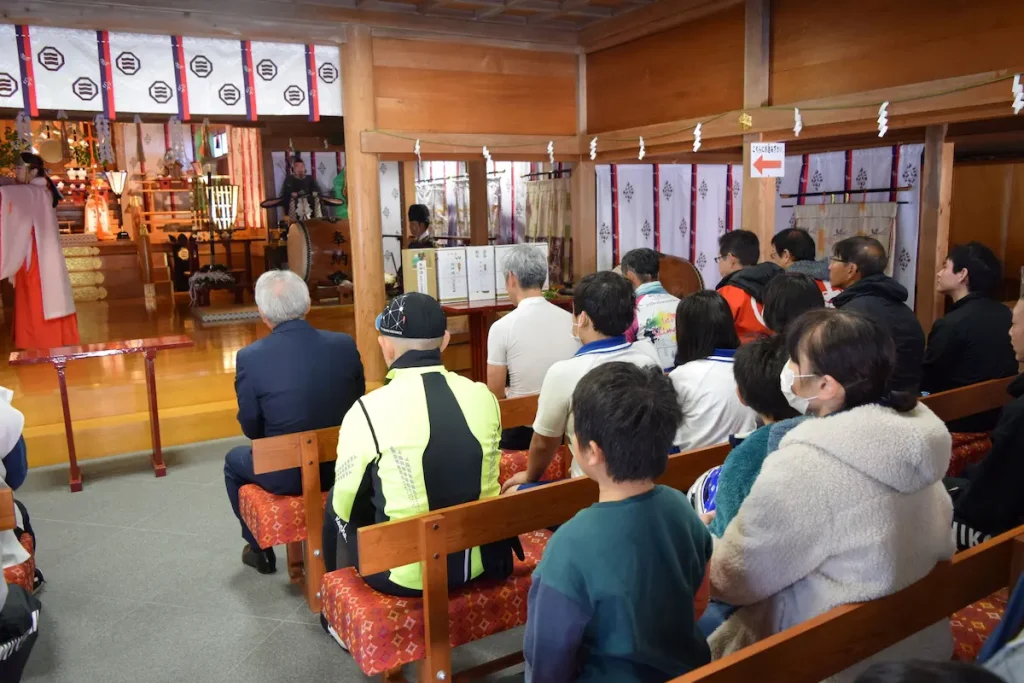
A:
x: 60, y: 356
x: 482, y: 315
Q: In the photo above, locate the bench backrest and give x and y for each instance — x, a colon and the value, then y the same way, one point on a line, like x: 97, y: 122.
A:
x: 275, y: 453
x: 823, y: 646
x: 393, y: 544
x: 7, y: 519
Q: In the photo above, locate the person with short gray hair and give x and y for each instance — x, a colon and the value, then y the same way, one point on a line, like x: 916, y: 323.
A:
x: 281, y: 295
x: 295, y: 379
x: 526, y: 342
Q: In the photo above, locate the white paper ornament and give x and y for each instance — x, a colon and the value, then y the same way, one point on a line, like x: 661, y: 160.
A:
x: 883, y: 119
x: 1018, y: 95
x: 696, y: 137
x: 643, y: 149
x: 798, y: 122
x: 593, y: 149
x: 416, y: 151
x: 551, y: 151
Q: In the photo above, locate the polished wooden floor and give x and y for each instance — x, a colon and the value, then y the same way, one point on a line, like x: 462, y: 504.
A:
x: 108, y: 395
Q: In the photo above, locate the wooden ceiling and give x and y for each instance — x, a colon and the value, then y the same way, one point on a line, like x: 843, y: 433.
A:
x: 543, y: 24
x: 568, y: 15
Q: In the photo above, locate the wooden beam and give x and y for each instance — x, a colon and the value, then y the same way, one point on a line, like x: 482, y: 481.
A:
x: 584, y: 219
x: 467, y: 146
x: 478, y: 208
x: 652, y: 18
x: 933, y: 239
x: 756, y: 49
x: 364, y: 199
x: 407, y: 169
x: 976, y: 96
x: 758, y: 201
x: 301, y: 21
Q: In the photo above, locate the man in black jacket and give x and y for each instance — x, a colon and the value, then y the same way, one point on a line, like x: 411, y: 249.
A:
x: 990, y: 501
x: 969, y: 344
x: 295, y: 379
x: 858, y: 266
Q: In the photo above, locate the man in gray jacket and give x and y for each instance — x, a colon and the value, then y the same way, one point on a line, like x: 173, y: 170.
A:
x: 793, y: 249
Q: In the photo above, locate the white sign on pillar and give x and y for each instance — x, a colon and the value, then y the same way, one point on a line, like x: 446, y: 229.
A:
x: 767, y: 159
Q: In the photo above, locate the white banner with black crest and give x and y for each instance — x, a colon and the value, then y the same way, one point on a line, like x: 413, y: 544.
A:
x: 214, y: 79
x: 143, y: 73
x: 12, y: 92
x: 66, y: 67
x: 326, y: 63
x: 279, y: 79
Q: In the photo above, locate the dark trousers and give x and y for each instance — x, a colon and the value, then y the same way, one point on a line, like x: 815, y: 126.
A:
x: 19, y: 619
x: 238, y: 472
x: 340, y: 550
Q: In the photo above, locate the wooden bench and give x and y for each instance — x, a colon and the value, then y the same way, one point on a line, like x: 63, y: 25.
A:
x: 970, y: 576
x: 427, y: 636
x: 295, y: 521
x: 60, y: 357
x: 21, y: 574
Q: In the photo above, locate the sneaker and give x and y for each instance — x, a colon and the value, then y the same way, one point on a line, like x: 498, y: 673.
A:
x: 263, y: 561
x: 329, y: 630
x: 37, y: 580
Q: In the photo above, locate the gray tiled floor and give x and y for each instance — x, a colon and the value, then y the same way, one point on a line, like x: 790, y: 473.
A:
x: 145, y: 584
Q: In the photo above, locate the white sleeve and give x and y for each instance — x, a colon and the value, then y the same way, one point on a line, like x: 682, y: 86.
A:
x: 553, y: 403
x: 497, y: 344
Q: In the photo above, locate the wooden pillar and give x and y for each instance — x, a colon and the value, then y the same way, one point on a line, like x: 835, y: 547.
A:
x: 758, y: 193
x: 584, y: 219
x: 364, y: 198
x: 407, y: 173
x: 933, y: 240
x: 478, y: 209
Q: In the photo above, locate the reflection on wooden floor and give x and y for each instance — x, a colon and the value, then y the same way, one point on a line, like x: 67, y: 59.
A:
x: 108, y: 395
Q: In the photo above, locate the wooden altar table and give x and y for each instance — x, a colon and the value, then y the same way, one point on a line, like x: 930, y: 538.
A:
x: 60, y: 356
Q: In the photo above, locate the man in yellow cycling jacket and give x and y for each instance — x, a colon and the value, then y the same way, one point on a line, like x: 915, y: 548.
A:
x: 427, y: 439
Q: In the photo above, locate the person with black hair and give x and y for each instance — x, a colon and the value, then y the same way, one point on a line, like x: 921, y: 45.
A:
x: 655, y: 317
x: 703, y: 377
x: 858, y: 266
x: 851, y: 507
x: 602, y: 306
x: 743, y: 281
x: 970, y: 344
x: 419, y: 228
x: 793, y: 249
x: 988, y: 500
x: 788, y: 296
x: 621, y: 584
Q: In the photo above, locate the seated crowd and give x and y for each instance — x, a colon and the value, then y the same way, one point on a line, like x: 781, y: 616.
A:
x: 834, y: 490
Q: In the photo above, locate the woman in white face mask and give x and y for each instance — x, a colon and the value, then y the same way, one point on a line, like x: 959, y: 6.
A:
x: 851, y: 507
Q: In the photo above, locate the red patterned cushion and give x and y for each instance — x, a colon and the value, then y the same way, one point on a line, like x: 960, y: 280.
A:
x: 515, y: 461
x: 383, y: 631
x: 972, y: 624
x: 24, y: 573
x: 968, y: 448
x: 274, y: 520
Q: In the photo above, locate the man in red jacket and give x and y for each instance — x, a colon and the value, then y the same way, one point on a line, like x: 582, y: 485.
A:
x: 743, y: 281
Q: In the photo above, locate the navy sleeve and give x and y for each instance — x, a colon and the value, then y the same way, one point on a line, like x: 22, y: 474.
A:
x: 250, y: 415
x: 16, y: 464
x: 554, y: 633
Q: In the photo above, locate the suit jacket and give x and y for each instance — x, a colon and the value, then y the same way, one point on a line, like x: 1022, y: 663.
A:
x: 296, y: 379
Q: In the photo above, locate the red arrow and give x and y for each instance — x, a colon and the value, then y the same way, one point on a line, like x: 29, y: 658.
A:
x: 761, y: 164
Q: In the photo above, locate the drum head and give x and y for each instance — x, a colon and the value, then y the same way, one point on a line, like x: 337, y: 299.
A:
x: 678, y: 276
x: 298, y: 250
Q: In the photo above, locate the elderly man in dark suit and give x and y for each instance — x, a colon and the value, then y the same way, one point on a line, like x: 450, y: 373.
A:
x: 296, y: 379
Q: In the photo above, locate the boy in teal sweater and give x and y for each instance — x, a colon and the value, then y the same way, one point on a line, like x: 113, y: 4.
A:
x: 756, y: 367
x: 621, y: 585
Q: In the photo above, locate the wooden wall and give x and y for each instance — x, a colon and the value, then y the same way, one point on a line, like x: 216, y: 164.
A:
x: 462, y: 88
x: 823, y: 49
x: 988, y: 206
x: 690, y: 70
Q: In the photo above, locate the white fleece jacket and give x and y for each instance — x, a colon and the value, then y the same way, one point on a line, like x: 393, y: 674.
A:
x: 850, y: 508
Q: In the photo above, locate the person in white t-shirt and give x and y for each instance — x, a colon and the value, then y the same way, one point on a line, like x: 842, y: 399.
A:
x: 655, y: 308
x: 602, y: 311
x: 707, y: 341
x: 526, y: 342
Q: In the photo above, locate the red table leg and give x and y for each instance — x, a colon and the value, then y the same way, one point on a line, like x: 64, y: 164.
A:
x: 74, y: 475
x: 154, y: 418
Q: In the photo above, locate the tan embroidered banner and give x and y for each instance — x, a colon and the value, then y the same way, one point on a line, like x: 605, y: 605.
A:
x: 831, y: 223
